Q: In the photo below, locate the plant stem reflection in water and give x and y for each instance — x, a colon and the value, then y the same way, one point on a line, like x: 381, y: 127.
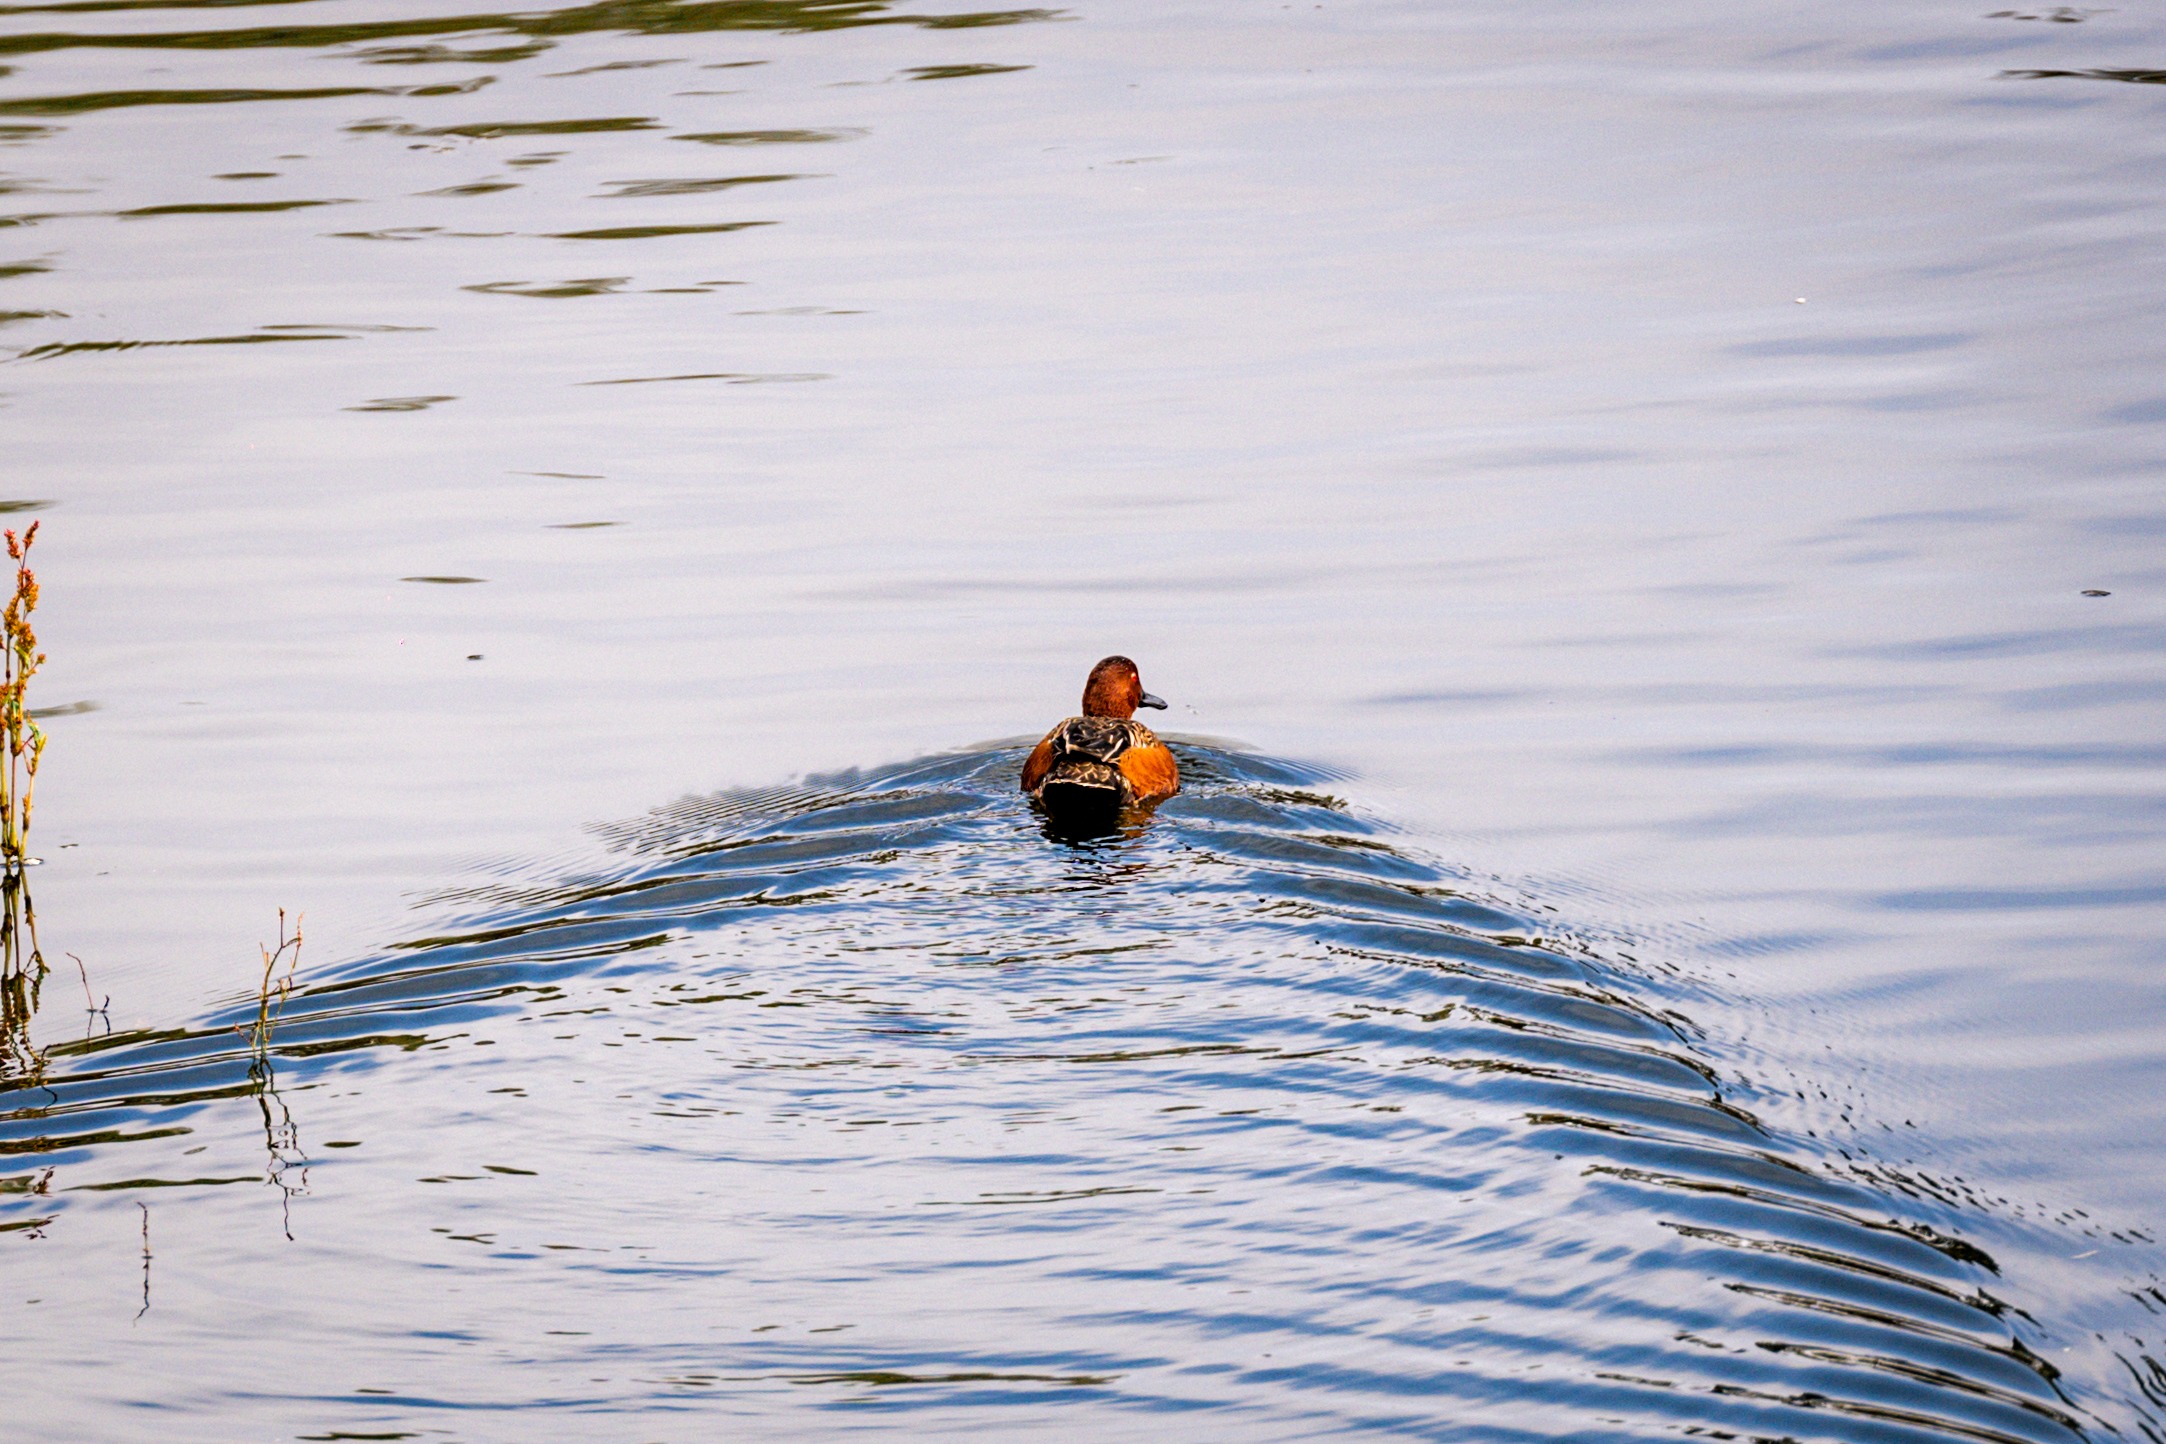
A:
x: 22, y: 981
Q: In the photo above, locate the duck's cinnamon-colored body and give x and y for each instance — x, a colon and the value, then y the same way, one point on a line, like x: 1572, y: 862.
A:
x: 1090, y: 767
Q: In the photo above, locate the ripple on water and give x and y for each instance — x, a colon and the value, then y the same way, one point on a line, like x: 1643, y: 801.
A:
x: 1247, y: 1108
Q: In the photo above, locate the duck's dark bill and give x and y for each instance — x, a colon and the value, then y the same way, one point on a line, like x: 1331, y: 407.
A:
x: 1150, y: 701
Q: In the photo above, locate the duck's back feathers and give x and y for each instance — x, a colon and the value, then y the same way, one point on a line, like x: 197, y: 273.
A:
x: 1097, y: 765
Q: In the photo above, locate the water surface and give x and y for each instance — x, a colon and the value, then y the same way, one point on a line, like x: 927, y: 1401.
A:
x: 1645, y: 467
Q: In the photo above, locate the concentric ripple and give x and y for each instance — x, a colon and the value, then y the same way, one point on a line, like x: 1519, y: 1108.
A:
x: 869, y: 1094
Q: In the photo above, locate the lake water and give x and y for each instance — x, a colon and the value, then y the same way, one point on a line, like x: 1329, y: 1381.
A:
x: 589, y: 504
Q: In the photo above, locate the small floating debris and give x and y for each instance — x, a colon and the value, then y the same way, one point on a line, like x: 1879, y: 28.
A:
x: 2095, y: 592
x: 446, y: 581
x: 581, y: 525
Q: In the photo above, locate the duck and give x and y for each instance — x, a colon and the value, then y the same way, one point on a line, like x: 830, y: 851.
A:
x: 1091, y: 767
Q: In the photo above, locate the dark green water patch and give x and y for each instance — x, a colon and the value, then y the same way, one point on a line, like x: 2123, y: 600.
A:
x: 641, y: 17
x: 643, y: 233
x: 621, y: 190
x: 224, y: 208
x: 553, y: 290
x: 129, y: 99
x: 499, y: 129
x: 959, y: 72
x: 451, y: 55
x: 69, y: 348
x: 402, y: 403
x: 473, y: 188
x: 768, y: 137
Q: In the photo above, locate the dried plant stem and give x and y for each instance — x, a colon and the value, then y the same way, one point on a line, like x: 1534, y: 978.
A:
x: 272, y: 992
x: 22, y: 966
x: 19, y: 733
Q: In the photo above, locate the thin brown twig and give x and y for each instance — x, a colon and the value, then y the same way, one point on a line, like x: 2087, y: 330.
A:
x: 91, y: 1005
x: 288, y: 950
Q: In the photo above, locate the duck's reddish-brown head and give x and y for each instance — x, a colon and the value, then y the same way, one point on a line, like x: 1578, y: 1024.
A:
x: 1115, y: 689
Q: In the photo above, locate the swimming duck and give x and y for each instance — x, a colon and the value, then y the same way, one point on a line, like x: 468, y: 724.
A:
x: 1090, y: 767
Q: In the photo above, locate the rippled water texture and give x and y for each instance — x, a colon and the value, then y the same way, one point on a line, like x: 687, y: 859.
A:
x: 1668, y: 500
x: 869, y: 1096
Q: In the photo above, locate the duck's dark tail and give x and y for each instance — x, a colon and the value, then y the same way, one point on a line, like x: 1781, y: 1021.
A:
x: 1083, y: 792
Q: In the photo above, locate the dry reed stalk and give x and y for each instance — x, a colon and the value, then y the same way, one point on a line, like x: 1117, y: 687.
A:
x: 289, y: 952
x: 19, y: 732
x: 22, y: 966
